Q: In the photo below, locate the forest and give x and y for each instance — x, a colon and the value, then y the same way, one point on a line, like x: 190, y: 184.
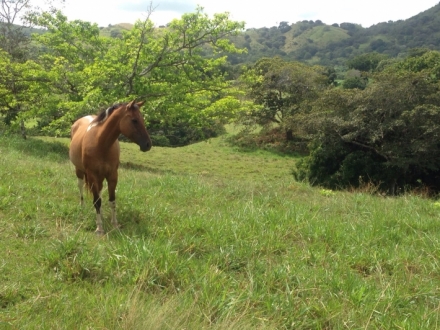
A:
x: 359, y: 109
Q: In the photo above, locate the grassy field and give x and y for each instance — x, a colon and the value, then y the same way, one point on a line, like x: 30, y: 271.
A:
x: 212, y: 238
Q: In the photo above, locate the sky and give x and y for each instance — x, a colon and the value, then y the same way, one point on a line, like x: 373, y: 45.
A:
x: 255, y: 13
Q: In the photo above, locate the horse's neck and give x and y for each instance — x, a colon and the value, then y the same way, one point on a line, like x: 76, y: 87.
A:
x: 109, y: 131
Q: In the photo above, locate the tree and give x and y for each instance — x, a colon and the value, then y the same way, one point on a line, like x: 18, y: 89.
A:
x: 284, y: 27
x: 14, y: 42
x: 366, y: 62
x: 386, y: 134
x: 21, y: 87
x: 427, y: 62
x: 22, y: 79
x: 13, y: 38
x: 282, y: 90
x: 354, y: 79
x: 166, y: 67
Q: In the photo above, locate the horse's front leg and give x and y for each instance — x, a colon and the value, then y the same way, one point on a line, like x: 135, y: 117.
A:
x: 112, y: 182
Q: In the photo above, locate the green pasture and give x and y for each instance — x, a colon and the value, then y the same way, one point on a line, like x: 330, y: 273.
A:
x: 213, y: 237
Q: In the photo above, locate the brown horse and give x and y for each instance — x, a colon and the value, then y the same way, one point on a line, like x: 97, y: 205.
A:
x: 94, y: 150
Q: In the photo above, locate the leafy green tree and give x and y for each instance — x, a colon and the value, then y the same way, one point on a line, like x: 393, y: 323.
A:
x: 427, y: 62
x: 366, y: 62
x: 281, y: 90
x: 166, y: 67
x: 14, y: 41
x: 386, y: 134
x: 23, y: 81
x: 21, y: 87
x: 355, y: 82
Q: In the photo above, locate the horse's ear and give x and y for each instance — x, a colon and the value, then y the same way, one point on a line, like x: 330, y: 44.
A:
x: 130, y: 104
x: 140, y: 103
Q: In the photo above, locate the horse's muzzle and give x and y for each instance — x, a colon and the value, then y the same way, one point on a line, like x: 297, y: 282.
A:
x: 145, y: 146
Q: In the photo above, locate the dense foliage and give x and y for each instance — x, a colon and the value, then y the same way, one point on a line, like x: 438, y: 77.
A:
x: 77, y: 71
x: 281, y: 90
x: 379, y: 124
x: 386, y: 134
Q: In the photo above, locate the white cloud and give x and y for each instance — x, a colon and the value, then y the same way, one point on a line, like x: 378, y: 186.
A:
x: 176, y: 6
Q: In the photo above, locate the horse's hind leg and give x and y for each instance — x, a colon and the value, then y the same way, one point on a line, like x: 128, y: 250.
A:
x: 95, y: 186
x: 112, y: 182
x: 80, y: 176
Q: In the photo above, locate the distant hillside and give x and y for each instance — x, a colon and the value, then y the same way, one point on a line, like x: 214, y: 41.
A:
x: 27, y: 31
x: 316, y: 42
x: 115, y: 31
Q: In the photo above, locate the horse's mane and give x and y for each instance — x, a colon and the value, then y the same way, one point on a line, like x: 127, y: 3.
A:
x: 104, y: 114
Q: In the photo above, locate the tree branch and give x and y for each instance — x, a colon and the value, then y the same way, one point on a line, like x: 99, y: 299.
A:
x: 365, y: 146
x: 138, y: 51
x: 159, y: 58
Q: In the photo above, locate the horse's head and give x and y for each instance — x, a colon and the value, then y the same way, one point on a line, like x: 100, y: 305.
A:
x: 133, y: 127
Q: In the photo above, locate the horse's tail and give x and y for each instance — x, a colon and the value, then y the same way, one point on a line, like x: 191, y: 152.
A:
x: 88, y: 183
x: 73, y: 129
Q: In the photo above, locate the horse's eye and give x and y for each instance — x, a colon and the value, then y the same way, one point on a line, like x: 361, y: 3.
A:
x: 134, y: 121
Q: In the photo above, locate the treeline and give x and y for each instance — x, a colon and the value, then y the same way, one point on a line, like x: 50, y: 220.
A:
x: 47, y: 80
x: 385, y: 134
x: 379, y: 126
x: 317, y: 43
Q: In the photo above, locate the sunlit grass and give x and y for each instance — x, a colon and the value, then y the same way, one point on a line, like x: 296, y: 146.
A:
x: 211, y: 238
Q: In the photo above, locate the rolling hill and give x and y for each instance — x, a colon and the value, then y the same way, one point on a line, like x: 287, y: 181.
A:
x: 316, y: 42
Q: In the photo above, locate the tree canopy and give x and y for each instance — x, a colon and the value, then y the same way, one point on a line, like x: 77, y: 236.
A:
x: 386, y: 134
x: 84, y: 71
x: 281, y: 90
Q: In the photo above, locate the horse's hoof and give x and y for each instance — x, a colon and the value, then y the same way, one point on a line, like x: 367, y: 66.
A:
x: 99, y: 232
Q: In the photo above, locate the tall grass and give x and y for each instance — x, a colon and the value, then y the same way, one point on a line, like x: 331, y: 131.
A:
x: 212, y: 238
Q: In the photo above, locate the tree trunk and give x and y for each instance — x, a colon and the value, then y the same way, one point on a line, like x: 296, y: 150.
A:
x: 23, y: 129
x: 289, y: 135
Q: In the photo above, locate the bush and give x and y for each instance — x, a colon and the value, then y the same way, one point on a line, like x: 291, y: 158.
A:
x: 338, y: 166
x: 386, y: 135
x: 355, y: 82
x: 183, y: 133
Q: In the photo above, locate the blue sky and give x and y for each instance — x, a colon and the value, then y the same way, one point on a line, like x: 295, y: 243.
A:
x: 255, y: 13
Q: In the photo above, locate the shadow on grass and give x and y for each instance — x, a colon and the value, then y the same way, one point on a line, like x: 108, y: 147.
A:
x: 144, y: 168
x: 253, y: 143
x: 35, y: 147
x: 59, y: 151
x: 133, y: 223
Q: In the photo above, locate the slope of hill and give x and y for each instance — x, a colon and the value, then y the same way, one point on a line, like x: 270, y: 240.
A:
x: 239, y: 247
x: 315, y: 42
x: 115, y: 30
